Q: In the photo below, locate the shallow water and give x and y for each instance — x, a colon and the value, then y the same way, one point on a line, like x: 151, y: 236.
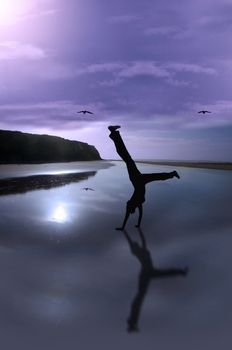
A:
x: 68, y: 279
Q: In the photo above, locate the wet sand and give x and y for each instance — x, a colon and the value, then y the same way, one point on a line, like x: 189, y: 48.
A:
x: 69, y: 279
x: 40, y: 182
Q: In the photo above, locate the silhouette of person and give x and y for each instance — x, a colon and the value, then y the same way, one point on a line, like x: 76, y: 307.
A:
x: 147, y: 273
x: 138, y: 179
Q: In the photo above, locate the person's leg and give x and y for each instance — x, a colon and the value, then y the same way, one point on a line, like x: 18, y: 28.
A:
x: 124, y: 154
x: 159, y: 176
x: 120, y: 146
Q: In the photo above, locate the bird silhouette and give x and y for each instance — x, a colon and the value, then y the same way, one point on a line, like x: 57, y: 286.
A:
x: 204, y: 111
x: 84, y: 112
x: 87, y: 189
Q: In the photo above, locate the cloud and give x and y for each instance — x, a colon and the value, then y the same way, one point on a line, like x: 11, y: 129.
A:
x: 14, y: 50
x: 143, y: 68
x: 111, y: 82
x: 220, y: 108
x: 60, y: 118
x: 180, y: 120
x: 123, y: 19
x: 179, y: 83
x: 100, y: 67
x: 57, y: 114
x: 126, y: 70
x: 121, y: 71
x: 51, y: 70
x: 15, y: 11
x: 44, y: 65
x: 220, y: 117
x: 199, y: 26
x: 162, y: 30
x: 190, y: 67
x: 208, y: 124
x: 39, y: 14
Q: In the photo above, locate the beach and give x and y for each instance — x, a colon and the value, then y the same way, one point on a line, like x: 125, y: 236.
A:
x: 69, y: 279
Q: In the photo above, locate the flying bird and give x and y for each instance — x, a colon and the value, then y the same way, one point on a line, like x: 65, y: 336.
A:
x: 87, y: 189
x: 84, y: 112
x: 204, y: 111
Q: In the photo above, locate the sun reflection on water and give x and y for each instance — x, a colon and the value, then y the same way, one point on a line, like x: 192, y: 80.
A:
x: 60, y: 214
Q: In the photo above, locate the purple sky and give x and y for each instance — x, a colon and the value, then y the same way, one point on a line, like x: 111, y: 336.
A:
x: 147, y: 65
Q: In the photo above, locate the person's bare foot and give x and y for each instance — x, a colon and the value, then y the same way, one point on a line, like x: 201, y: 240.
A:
x: 114, y: 127
x: 175, y: 174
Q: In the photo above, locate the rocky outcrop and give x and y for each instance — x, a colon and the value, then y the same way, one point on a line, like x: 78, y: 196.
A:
x: 19, y: 147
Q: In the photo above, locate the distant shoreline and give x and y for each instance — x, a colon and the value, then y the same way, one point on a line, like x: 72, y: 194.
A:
x: 191, y: 164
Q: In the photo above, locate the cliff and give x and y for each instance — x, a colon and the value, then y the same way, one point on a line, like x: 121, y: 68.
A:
x: 19, y: 147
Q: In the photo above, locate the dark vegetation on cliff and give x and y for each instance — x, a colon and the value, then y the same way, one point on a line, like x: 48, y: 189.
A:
x: 18, y: 147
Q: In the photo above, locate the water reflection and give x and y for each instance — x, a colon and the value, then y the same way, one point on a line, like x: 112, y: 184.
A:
x: 147, y: 273
x: 58, y: 275
x: 40, y: 182
x: 60, y: 214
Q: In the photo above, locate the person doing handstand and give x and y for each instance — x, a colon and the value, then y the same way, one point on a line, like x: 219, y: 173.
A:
x: 137, y: 179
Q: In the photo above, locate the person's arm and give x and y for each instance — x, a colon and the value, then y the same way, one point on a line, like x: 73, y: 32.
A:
x: 125, y: 220
x: 140, y: 207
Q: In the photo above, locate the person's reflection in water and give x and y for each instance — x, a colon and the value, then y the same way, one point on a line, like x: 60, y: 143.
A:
x: 137, y: 179
x: 147, y: 273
